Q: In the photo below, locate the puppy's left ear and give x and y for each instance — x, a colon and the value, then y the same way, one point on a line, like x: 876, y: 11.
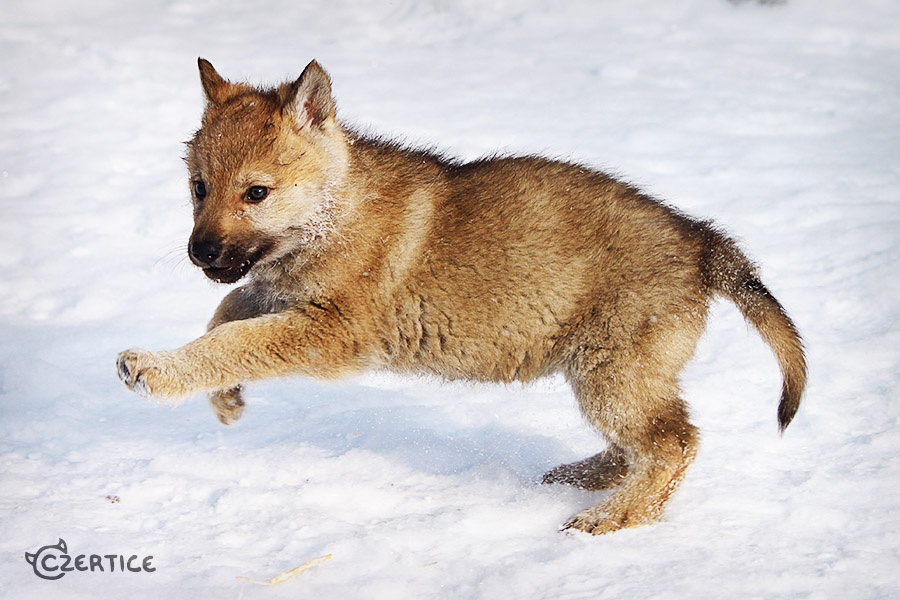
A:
x: 309, y: 99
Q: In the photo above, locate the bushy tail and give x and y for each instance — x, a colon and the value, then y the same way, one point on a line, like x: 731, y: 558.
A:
x: 730, y: 273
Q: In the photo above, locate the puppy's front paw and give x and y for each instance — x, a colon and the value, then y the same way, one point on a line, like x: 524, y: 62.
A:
x: 228, y: 404
x: 148, y: 374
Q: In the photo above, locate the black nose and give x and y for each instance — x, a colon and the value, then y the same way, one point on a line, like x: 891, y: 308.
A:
x: 204, y: 252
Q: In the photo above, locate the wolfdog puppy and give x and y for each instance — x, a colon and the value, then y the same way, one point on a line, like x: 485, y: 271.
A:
x: 358, y: 253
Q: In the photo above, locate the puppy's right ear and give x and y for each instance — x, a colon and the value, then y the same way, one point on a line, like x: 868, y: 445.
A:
x: 215, y: 87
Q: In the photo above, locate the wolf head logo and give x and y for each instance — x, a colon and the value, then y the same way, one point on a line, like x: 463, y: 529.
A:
x: 39, y: 559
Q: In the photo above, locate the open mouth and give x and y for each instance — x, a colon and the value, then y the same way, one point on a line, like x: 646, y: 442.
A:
x: 227, y: 274
x: 235, y: 270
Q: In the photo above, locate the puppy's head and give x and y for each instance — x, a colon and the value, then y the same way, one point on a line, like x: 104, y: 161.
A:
x: 262, y: 170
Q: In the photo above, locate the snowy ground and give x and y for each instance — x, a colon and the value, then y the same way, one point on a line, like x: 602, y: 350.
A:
x: 782, y: 122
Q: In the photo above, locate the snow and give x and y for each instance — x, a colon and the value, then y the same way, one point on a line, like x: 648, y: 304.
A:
x: 780, y: 121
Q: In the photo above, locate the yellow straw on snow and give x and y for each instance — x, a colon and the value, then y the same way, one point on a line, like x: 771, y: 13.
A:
x: 289, y: 574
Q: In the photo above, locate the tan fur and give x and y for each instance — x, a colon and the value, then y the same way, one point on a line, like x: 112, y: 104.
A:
x: 365, y: 254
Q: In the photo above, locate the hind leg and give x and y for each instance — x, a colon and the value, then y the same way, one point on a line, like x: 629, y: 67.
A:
x: 659, y: 449
x: 600, y: 472
x: 631, y: 396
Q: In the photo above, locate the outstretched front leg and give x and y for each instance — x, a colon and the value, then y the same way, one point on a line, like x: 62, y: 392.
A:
x: 319, y: 339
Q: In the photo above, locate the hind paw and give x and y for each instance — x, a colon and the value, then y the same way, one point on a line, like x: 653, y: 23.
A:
x: 603, y: 471
x: 593, y: 522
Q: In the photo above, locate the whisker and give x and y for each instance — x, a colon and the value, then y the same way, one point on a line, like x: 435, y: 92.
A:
x: 174, y: 259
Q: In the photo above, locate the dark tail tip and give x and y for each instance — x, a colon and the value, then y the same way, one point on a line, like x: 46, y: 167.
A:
x: 786, y: 412
x: 792, y: 388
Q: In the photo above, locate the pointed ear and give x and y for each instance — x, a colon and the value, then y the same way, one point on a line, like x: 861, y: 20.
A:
x: 214, y: 86
x: 309, y: 99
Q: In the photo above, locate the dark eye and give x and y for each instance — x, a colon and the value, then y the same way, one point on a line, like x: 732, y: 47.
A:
x: 257, y: 193
x: 199, y: 189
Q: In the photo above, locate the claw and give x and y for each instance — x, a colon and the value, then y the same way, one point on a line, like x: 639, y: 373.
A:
x: 131, y: 376
x: 123, y: 370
